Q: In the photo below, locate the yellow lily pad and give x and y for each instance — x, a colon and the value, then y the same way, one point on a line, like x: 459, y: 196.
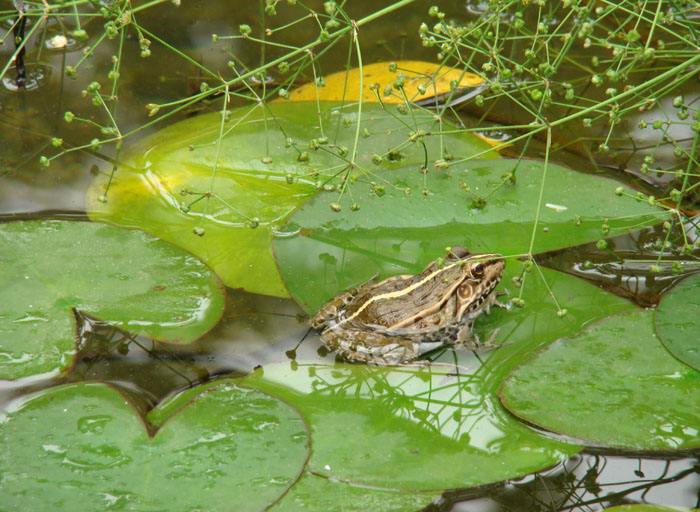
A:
x: 422, y: 81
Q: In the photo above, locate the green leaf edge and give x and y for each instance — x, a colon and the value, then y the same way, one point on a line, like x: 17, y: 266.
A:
x: 583, y: 443
x: 658, y: 331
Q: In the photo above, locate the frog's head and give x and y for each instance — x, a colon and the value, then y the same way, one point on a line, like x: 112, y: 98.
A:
x: 485, y: 268
x: 482, y: 273
x: 477, y: 268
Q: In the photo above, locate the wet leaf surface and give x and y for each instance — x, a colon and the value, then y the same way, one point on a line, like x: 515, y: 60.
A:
x: 399, y: 232
x: 406, y: 428
x: 613, y: 385
x: 124, y: 277
x: 312, y: 492
x: 222, y: 198
x: 677, y: 321
x: 82, y: 447
x: 521, y: 331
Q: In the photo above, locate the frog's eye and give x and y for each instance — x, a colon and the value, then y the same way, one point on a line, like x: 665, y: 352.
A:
x: 478, y: 270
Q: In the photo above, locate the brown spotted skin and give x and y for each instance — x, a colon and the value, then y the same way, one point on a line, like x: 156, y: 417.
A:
x: 398, y: 319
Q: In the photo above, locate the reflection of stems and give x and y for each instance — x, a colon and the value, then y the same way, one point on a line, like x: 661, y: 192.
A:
x: 18, y: 32
x: 155, y: 355
x: 647, y: 485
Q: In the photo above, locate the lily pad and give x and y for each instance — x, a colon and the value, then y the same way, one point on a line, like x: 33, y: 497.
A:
x: 613, y: 385
x: 433, y: 79
x: 677, y: 321
x: 82, y: 447
x: 441, y: 427
x: 521, y: 331
x: 407, y: 428
x: 469, y: 204
x: 313, y: 492
x: 124, y: 277
x: 223, y: 198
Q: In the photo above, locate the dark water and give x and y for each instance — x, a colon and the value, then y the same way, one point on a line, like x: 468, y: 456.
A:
x: 259, y: 330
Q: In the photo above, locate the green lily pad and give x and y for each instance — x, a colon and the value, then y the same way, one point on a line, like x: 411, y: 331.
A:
x: 407, y: 428
x: 520, y: 332
x: 82, y: 447
x: 184, y: 186
x: 312, y: 492
x: 398, y: 233
x: 677, y: 321
x: 124, y: 277
x: 613, y: 385
x: 427, y: 429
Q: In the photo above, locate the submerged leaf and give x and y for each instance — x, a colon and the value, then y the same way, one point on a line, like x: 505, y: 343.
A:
x: 127, y: 278
x: 224, y: 197
x: 82, y: 447
x: 677, y: 321
x: 473, y: 204
x: 613, y: 385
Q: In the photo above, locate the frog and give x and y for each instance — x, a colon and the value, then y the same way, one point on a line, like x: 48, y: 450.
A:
x: 401, y: 318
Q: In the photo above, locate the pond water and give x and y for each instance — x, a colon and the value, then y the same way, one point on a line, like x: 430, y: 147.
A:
x: 260, y: 339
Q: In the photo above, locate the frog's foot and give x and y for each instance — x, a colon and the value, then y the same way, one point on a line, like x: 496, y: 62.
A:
x: 469, y: 339
x: 505, y: 305
x: 492, y: 300
x: 375, y: 348
x: 491, y: 342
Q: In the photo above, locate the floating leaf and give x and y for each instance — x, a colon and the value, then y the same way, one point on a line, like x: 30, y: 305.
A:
x: 421, y: 81
x: 82, y: 447
x: 472, y: 204
x: 223, y: 198
x: 520, y: 331
x: 312, y: 492
x: 407, y: 428
x: 677, y: 321
x: 124, y: 277
x: 614, y: 385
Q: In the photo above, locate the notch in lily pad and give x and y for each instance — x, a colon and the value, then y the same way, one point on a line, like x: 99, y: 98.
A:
x: 124, y: 277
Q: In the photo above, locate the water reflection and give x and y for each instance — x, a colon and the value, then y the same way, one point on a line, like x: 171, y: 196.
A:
x: 35, y: 77
x: 585, y: 483
x: 640, y: 265
x: 440, y: 425
x: 255, y: 331
x: 262, y: 331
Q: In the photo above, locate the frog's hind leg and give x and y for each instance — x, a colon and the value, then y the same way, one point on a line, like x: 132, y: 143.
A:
x: 372, y: 347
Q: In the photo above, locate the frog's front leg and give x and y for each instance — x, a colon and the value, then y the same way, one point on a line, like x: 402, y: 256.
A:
x: 504, y: 305
x: 492, y: 300
x: 375, y: 348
